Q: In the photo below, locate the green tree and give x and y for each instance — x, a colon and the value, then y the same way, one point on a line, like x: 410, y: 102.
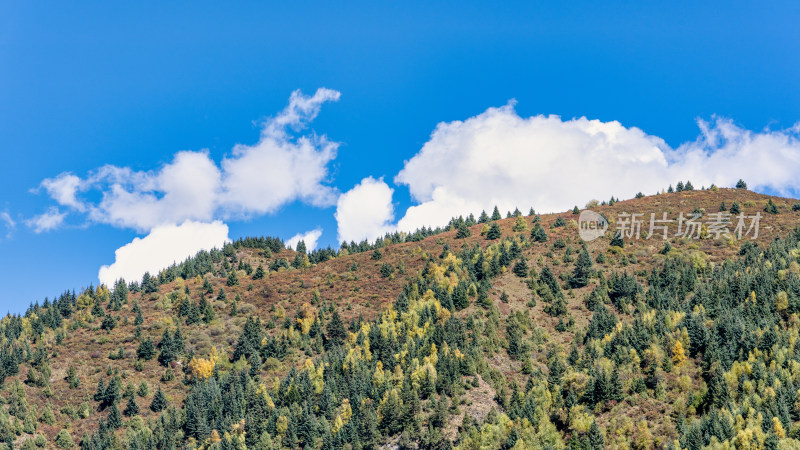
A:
x: 521, y: 268
x: 771, y: 208
x: 335, y: 332
x: 494, y: 232
x: 259, y: 273
x: 583, y: 270
x: 736, y: 209
x: 462, y: 231
x: 233, y: 279
x: 741, y: 184
x: 596, y: 440
x: 146, y: 350
x: 159, y: 402
x: 114, y: 419
x: 131, y: 408
x: 64, y: 439
x: 496, y: 214
x: 538, y: 234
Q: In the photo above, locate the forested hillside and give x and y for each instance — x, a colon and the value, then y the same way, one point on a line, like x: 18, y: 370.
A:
x: 502, y: 331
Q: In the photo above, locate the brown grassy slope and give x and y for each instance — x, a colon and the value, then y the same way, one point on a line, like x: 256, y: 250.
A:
x: 364, y: 292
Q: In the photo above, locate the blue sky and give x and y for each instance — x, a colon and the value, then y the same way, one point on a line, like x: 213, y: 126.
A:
x: 88, y: 84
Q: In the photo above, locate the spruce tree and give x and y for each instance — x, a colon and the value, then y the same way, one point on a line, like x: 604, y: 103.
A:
x: 735, y: 208
x: 233, y: 279
x: 741, y: 184
x: 159, y: 401
x: 483, y: 218
x: 131, y: 408
x: 494, y: 232
x: 596, y: 440
x: 496, y: 214
x: 538, y: 234
x: 335, y: 332
x: 521, y: 268
x: 583, y: 270
x: 146, y: 350
x: 259, y: 273
x: 114, y: 419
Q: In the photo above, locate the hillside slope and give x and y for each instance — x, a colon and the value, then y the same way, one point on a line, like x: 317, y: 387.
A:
x: 461, y: 338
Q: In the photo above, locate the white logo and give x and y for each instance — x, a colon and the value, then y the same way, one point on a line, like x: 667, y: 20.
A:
x: 591, y: 225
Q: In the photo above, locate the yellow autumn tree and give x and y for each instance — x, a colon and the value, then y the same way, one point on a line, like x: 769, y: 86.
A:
x: 201, y: 368
x: 678, y: 354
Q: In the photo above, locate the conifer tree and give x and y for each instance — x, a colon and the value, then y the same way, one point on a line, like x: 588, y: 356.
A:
x: 131, y: 408
x: 114, y: 419
x: 494, y: 232
x: 335, y: 332
x: 538, y: 234
x: 483, y: 218
x: 233, y: 279
x: 496, y: 214
x: 259, y: 273
x: 159, y: 401
x: 741, y: 184
x: 583, y: 270
x: 735, y: 208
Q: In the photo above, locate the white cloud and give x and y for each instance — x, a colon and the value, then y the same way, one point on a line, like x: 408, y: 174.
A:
x: 252, y: 180
x: 165, y: 245
x: 499, y: 158
x: 366, y: 211
x: 64, y: 189
x: 9, y: 223
x: 279, y: 169
x: 185, y: 189
x: 47, y: 221
x: 310, y: 238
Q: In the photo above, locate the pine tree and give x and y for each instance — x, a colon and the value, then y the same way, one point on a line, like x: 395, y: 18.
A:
x: 617, y: 241
x: 149, y: 284
x: 741, y: 184
x: 722, y: 207
x: 494, y: 232
x: 583, y: 270
x: 538, y: 234
x: 735, y: 208
x: 670, y: 189
x: 496, y: 214
x: 771, y: 208
x: 575, y: 210
x: 335, y: 332
x: 159, y: 401
x: 114, y: 419
x: 146, y: 350
x: 596, y: 440
x: 233, y: 279
x: 688, y: 186
x: 483, y: 218
x: 463, y: 231
x: 259, y: 273
x: 131, y: 408
x: 679, y: 186
x: 301, y: 247
x: 521, y: 268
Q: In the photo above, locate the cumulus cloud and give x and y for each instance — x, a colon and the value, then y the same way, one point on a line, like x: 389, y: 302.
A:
x: 252, y: 180
x: 499, y: 158
x: 64, y: 189
x: 277, y: 170
x: 310, y: 238
x: 47, y: 221
x: 163, y: 246
x: 366, y: 211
